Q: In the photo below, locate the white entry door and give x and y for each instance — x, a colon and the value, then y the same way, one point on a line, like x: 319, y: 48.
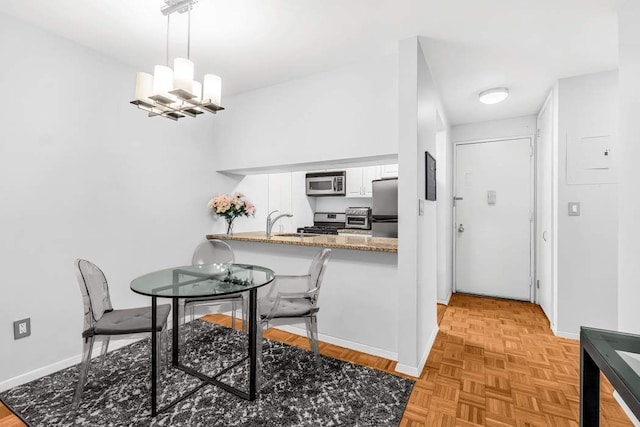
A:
x: 494, y: 218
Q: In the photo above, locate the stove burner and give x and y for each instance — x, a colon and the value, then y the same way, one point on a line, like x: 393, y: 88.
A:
x: 319, y: 230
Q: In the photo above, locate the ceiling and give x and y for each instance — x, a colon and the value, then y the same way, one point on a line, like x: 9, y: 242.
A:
x: 471, y: 45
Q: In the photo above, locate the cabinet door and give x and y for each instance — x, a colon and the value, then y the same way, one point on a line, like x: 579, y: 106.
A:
x: 354, y: 182
x: 389, y: 171
x: 369, y: 174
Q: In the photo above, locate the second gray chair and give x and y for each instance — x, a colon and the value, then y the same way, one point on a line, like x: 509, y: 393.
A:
x: 294, y: 298
x: 215, y: 252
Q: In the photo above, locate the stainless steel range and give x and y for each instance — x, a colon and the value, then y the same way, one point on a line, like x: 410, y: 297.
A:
x: 325, y: 223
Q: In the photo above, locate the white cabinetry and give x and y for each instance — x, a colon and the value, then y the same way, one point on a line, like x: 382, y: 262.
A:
x: 389, y: 171
x: 359, y: 181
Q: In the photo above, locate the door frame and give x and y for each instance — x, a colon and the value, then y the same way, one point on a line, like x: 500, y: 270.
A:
x: 532, y: 206
x: 548, y: 103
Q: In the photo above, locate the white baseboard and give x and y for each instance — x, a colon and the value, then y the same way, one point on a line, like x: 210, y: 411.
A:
x: 563, y: 334
x: 415, y: 371
x: 62, y: 364
x: 342, y: 343
x: 626, y: 409
x: 445, y: 302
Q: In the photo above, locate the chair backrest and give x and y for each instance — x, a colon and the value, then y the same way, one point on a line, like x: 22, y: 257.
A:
x: 94, y: 290
x: 212, y: 252
x: 316, y: 272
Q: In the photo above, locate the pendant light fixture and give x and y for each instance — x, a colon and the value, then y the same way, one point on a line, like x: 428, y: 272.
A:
x: 173, y: 93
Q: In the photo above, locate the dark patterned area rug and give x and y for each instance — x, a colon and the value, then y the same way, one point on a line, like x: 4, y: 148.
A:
x: 293, y: 393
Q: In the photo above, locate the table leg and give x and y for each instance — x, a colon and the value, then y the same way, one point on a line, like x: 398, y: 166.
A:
x: 253, y: 342
x: 174, y: 333
x: 154, y: 355
x: 589, y: 390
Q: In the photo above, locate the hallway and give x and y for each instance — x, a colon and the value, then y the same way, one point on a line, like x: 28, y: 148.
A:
x: 496, y: 362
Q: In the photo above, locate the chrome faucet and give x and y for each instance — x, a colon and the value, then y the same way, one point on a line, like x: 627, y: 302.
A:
x: 270, y: 221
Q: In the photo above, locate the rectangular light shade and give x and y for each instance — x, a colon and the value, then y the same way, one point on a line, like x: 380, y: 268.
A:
x: 162, y: 81
x: 182, y: 74
x: 196, y: 90
x: 212, y: 89
x: 144, y: 86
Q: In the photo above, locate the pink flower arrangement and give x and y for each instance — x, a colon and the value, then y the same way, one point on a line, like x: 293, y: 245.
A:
x: 231, y: 207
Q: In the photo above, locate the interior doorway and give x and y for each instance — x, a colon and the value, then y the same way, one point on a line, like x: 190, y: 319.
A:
x: 494, y: 191
x: 544, y: 216
x: 444, y: 212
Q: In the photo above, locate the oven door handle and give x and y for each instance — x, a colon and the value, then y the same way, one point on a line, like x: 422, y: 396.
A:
x: 335, y: 183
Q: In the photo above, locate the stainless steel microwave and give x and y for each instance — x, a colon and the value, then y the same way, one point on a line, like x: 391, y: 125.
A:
x: 326, y: 183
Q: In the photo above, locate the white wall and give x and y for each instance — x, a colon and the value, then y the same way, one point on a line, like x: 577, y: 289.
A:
x: 339, y: 204
x: 494, y: 129
x: 418, y: 106
x: 587, y: 253
x: 628, y: 171
x: 346, y: 113
x: 85, y: 174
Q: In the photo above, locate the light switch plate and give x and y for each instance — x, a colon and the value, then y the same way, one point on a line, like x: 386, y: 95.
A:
x: 491, y: 197
x: 574, y: 208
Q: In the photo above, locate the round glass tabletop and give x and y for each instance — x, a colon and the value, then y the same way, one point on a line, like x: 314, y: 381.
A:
x: 207, y: 280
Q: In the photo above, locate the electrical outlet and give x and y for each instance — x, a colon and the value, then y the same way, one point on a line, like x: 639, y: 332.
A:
x: 21, y: 328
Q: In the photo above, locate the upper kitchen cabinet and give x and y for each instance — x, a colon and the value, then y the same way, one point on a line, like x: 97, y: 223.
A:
x: 389, y: 171
x: 359, y: 179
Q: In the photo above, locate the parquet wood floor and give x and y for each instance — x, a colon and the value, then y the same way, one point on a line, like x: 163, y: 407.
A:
x: 494, y: 363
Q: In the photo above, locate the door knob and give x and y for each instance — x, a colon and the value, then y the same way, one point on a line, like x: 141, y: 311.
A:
x: 461, y: 228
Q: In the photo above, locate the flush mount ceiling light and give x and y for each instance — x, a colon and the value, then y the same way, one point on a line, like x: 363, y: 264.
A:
x: 493, y: 96
x: 173, y: 93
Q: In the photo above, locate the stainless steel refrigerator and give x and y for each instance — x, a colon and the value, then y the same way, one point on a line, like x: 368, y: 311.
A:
x: 384, y: 213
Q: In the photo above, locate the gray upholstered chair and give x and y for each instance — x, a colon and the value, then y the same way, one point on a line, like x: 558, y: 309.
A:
x: 101, y: 320
x: 294, y: 298
x: 215, y: 252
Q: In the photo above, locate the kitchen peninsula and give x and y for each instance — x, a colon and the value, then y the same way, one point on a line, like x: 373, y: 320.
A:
x: 361, y: 243
x: 359, y: 296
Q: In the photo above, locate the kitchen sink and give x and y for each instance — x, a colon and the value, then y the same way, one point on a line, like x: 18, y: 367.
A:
x: 295, y: 235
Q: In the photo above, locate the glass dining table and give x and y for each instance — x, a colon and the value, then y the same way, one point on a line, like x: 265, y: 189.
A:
x: 202, y: 281
x: 617, y: 356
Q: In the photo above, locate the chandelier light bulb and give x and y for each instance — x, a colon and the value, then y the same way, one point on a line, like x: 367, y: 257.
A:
x: 212, y: 90
x: 196, y: 90
x: 144, y: 87
x: 162, y: 81
x: 182, y: 74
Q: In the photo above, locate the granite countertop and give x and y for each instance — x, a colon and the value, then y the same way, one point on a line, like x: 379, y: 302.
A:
x: 355, y: 231
x: 360, y: 243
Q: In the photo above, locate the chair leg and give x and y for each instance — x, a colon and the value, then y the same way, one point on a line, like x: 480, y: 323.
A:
x: 245, y: 317
x: 87, y: 348
x: 233, y: 314
x: 159, y: 364
x: 192, y: 332
x: 312, y: 334
x: 259, y: 364
x: 103, y: 353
